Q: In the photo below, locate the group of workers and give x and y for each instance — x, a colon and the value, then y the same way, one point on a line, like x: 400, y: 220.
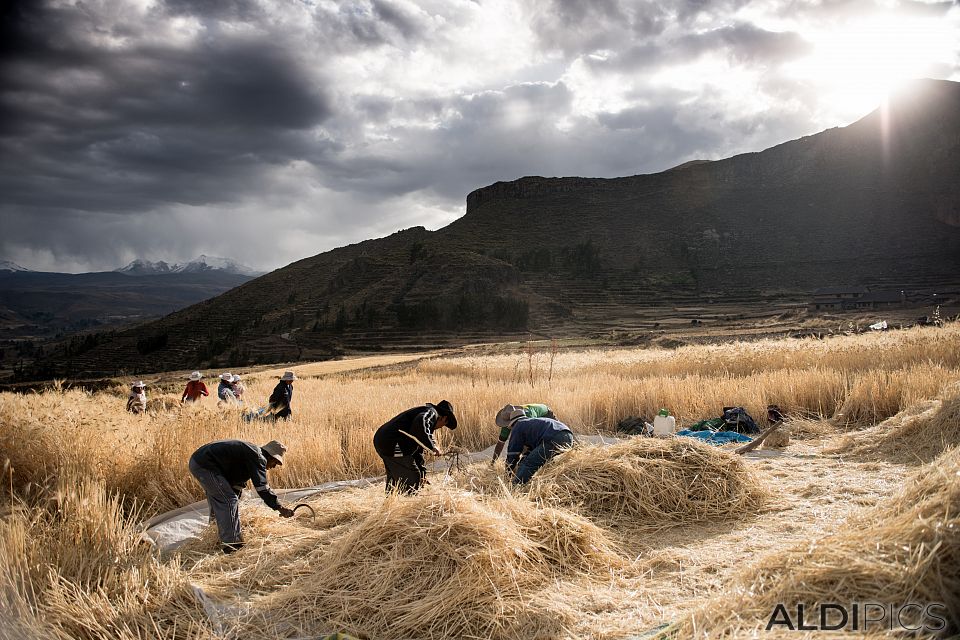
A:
x: 230, y: 391
x: 531, y: 433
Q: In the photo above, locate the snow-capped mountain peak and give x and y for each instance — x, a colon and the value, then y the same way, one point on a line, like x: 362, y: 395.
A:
x: 9, y: 267
x: 197, y: 265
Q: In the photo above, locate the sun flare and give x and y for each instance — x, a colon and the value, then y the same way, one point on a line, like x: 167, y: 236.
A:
x: 859, y: 65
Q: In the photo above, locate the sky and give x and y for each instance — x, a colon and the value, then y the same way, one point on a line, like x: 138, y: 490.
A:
x: 273, y: 130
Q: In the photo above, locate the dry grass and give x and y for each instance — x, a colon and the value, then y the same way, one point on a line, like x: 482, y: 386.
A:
x: 919, y: 433
x: 72, y: 566
x: 905, y: 550
x: 79, y: 472
x: 650, y: 484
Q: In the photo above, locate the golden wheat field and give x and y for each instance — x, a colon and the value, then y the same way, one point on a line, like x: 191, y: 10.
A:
x: 607, y: 542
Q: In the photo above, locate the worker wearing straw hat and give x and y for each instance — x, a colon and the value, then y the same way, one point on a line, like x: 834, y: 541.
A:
x: 137, y: 400
x: 225, y: 389
x: 195, y: 388
x: 282, y: 396
x: 223, y: 468
x: 502, y: 420
x: 401, y: 441
x: 541, y: 438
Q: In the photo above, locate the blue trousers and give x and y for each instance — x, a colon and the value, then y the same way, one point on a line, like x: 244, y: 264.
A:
x: 224, y: 505
x: 538, y: 456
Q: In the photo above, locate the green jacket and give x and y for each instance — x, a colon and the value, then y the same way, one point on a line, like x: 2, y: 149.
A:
x: 530, y: 411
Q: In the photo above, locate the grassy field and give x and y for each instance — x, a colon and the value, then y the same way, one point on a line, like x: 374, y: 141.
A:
x: 80, y: 474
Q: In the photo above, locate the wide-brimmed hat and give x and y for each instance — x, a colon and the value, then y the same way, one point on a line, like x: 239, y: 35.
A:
x: 196, y: 375
x: 502, y: 419
x: 138, y: 383
x: 275, y: 450
x: 444, y: 408
x: 288, y: 376
x: 226, y: 377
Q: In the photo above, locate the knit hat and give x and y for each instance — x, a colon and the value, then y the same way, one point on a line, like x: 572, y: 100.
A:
x: 275, y: 450
x: 444, y: 408
x: 288, y: 376
x: 196, y: 375
x: 502, y: 419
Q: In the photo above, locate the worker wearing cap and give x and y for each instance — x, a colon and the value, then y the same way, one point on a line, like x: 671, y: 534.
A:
x: 137, y: 400
x: 223, y: 468
x: 502, y: 421
x: 541, y: 438
x: 400, y: 443
x: 282, y: 396
x: 225, y: 389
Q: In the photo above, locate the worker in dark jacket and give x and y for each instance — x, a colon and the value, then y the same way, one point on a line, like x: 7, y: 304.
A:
x: 223, y: 468
x: 541, y: 438
x: 282, y: 396
x: 401, y: 441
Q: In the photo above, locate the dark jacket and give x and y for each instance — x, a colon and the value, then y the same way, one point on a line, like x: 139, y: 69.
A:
x: 238, y: 461
x: 282, y: 395
x: 529, y: 433
x: 408, y: 433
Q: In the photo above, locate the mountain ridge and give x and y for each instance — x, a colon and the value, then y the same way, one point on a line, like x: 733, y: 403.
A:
x: 580, y: 256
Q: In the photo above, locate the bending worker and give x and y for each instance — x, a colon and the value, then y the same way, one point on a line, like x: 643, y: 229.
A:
x: 502, y: 420
x: 223, y: 468
x: 282, y: 396
x: 541, y: 438
x: 401, y: 441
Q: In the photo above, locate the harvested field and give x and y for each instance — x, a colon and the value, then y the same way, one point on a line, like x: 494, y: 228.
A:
x: 606, y: 543
x: 905, y: 550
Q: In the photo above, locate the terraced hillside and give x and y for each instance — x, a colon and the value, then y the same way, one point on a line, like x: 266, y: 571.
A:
x: 876, y: 203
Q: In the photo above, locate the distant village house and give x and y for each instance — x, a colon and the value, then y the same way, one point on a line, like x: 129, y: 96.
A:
x: 855, y: 299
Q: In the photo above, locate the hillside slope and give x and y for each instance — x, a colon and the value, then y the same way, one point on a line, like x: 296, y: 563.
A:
x: 876, y: 203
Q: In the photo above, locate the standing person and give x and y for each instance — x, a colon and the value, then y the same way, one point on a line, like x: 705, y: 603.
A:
x: 137, y: 400
x: 282, y: 396
x: 195, y: 388
x: 238, y: 389
x: 223, y: 468
x: 542, y: 438
x: 401, y: 441
x: 502, y: 421
x: 225, y: 389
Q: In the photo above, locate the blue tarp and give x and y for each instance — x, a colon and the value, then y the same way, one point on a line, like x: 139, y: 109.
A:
x: 715, y: 437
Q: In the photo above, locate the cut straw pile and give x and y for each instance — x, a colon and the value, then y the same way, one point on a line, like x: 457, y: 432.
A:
x: 919, y: 433
x: 443, y: 564
x: 650, y: 483
x: 905, y: 550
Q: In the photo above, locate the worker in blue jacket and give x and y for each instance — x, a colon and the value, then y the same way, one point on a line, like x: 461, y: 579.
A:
x: 541, y: 438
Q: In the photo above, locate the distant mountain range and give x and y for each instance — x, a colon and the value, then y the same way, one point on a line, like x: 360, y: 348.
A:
x: 40, y: 305
x: 876, y: 204
x: 197, y: 265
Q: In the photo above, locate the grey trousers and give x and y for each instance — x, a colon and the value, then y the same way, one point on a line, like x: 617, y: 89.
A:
x: 224, y: 505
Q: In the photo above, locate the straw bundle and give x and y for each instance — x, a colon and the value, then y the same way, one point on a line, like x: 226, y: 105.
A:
x: 905, y: 550
x: 650, y: 483
x: 442, y: 564
x: 917, y: 434
x: 777, y: 439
